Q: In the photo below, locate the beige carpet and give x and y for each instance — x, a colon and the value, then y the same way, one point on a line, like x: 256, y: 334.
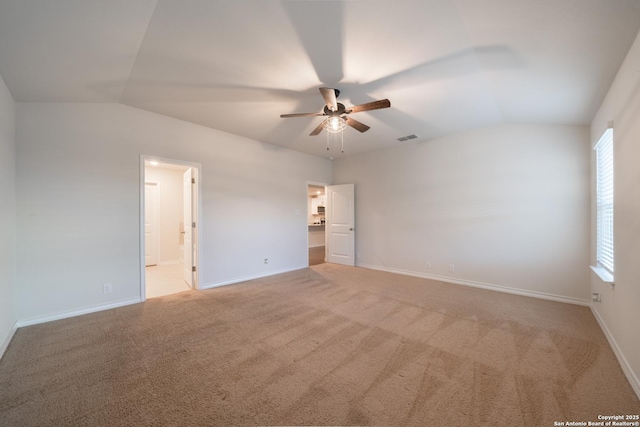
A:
x: 327, y: 345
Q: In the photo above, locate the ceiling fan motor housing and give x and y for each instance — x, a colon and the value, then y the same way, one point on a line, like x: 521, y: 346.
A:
x: 341, y: 110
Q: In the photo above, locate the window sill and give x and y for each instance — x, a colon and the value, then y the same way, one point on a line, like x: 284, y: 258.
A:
x: 603, y: 274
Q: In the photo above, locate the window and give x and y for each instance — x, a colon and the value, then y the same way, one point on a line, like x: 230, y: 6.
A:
x: 604, y: 202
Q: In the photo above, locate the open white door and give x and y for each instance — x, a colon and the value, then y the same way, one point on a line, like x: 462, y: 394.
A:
x: 189, y: 227
x: 150, y: 224
x: 340, y: 223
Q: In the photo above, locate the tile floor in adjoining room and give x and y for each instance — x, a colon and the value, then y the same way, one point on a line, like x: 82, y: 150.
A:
x: 167, y: 279
x: 164, y: 279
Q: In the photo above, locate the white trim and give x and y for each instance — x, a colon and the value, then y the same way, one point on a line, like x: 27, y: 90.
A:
x: 626, y: 368
x: 602, y: 136
x: 251, y: 277
x: 499, y: 288
x: 603, y: 274
x: 8, y: 338
x: 73, y: 313
x: 143, y: 277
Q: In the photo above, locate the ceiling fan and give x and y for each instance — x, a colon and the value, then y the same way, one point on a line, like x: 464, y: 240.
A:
x: 337, y: 114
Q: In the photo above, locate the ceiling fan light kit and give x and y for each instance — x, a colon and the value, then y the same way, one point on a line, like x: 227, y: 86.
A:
x: 337, y: 114
x: 334, y: 124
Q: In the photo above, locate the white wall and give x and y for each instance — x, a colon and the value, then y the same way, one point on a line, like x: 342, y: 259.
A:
x: 316, y: 236
x: 78, y: 190
x: 618, y: 310
x: 508, y: 205
x: 7, y: 217
x: 170, y: 206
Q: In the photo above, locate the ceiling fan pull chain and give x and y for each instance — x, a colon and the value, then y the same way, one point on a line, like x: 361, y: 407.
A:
x: 342, y: 140
x: 327, y: 140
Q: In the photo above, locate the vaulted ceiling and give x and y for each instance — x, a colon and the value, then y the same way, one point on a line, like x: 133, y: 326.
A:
x: 446, y: 65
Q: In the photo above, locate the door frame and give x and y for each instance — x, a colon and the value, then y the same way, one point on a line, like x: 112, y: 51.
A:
x: 306, y: 221
x: 188, y: 178
x: 198, y: 233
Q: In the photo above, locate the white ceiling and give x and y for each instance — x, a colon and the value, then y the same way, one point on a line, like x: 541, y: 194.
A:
x: 446, y: 65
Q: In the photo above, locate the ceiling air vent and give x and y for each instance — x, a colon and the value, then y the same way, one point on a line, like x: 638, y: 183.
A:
x: 408, y: 137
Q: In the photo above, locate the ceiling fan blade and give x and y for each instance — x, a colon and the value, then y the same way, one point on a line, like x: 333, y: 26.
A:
x: 329, y: 96
x: 318, y: 129
x: 375, y: 105
x: 284, y: 116
x: 356, y: 124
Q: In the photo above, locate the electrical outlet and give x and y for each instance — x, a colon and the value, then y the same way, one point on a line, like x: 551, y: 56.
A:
x: 428, y: 265
x: 107, y: 288
x: 595, y: 297
x: 266, y: 261
x: 452, y: 268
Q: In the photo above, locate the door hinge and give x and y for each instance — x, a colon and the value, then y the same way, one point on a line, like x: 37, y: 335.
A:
x: 193, y: 268
x: 193, y: 180
x: 193, y: 225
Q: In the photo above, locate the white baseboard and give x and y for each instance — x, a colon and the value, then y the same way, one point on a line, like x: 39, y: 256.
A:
x: 515, y: 291
x: 251, y: 277
x: 7, y: 340
x: 73, y: 313
x: 626, y: 368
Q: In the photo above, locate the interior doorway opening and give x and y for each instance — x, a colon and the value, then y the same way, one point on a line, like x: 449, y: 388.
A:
x: 169, y: 224
x: 316, y: 200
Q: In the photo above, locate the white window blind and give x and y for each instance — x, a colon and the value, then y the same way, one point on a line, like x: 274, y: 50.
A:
x: 604, y: 197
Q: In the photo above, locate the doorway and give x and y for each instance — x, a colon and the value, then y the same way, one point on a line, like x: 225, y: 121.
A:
x: 170, y: 206
x: 316, y: 204
x: 331, y: 223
